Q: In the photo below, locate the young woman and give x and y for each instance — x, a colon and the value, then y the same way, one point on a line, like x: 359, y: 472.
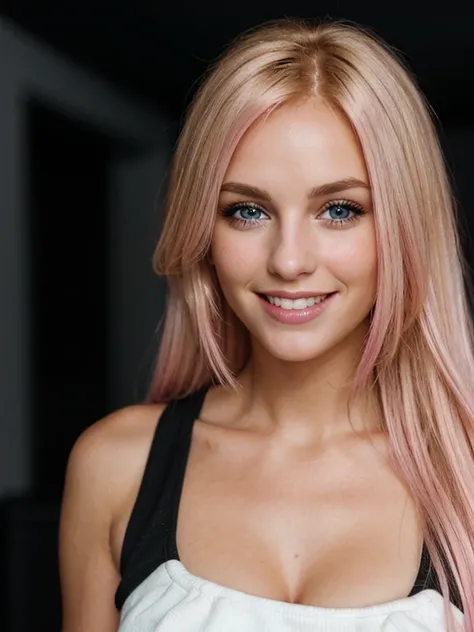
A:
x: 304, y: 461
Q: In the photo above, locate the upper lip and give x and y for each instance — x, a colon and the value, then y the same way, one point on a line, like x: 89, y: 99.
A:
x: 294, y: 295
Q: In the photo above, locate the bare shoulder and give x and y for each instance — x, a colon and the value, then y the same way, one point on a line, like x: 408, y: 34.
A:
x: 111, y: 452
x: 104, y: 471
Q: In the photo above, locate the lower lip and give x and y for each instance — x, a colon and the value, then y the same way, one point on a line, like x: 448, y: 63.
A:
x: 295, y: 316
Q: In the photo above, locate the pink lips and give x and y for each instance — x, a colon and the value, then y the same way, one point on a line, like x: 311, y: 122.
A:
x: 295, y: 316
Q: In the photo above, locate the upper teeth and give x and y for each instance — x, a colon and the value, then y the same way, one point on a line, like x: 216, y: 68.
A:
x: 300, y: 303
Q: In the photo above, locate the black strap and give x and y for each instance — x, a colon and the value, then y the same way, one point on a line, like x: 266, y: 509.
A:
x: 428, y: 578
x: 422, y: 580
x: 149, y: 536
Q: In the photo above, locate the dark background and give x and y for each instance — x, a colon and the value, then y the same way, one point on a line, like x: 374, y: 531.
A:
x: 158, y: 50
x: 155, y: 52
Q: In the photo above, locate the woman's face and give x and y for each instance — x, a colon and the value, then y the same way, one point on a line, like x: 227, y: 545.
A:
x: 294, y: 225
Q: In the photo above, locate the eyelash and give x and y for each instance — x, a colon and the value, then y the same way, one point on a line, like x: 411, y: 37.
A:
x: 355, y: 208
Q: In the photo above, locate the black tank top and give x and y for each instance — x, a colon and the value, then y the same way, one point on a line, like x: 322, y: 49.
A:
x: 150, y: 536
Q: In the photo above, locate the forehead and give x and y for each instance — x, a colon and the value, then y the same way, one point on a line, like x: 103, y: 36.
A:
x: 305, y: 139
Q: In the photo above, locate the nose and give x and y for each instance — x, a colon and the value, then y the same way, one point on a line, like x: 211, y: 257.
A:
x: 293, y: 251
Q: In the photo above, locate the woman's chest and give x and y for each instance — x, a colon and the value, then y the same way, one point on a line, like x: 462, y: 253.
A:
x: 326, y: 531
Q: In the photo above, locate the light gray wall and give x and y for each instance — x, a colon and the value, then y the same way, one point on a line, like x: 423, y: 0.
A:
x: 29, y: 69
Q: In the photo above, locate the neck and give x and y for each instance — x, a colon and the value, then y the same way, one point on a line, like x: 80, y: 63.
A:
x: 308, y: 402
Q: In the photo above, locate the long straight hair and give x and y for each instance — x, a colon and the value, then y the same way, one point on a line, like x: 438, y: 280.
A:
x: 420, y: 343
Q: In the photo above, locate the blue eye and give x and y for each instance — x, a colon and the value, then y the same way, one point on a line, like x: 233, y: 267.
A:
x: 342, y: 212
x: 244, y: 214
x: 248, y: 213
x: 339, y: 211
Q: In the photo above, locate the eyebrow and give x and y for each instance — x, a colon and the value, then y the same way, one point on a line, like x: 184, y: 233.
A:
x: 324, y: 189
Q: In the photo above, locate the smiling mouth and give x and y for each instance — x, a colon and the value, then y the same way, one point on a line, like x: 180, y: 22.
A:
x: 295, y: 311
x: 297, y: 303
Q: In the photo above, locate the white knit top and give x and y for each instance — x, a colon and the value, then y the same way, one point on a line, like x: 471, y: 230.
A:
x: 173, y: 600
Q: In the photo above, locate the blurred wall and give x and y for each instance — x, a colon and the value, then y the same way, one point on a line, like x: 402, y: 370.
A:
x: 137, y: 295
x: 29, y: 70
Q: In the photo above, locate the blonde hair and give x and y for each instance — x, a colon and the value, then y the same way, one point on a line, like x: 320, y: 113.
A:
x: 420, y: 343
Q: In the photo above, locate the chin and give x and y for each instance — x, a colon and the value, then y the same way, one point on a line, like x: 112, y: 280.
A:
x: 294, y: 350
x: 294, y: 356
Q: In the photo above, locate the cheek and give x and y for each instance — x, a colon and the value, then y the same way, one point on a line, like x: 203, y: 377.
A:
x: 354, y: 261
x: 236, y: 256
